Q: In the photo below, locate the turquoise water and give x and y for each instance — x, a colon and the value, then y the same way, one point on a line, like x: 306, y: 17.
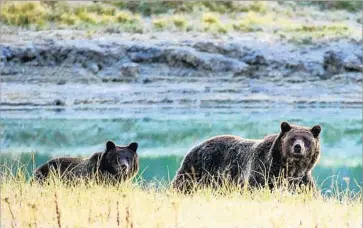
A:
x: 165, y: 135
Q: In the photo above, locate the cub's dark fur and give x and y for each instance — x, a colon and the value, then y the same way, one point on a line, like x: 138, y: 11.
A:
x: 115, y: 164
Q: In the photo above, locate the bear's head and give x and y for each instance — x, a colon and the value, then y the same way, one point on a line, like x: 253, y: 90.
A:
x: 119, y: 162
x: 301, y: 144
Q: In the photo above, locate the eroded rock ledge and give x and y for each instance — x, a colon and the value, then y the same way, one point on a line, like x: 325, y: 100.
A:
x: 140, y: 61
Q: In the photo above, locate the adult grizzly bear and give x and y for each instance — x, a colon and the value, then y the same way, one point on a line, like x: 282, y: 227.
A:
x: 291, y: 154
x: 115, y: 164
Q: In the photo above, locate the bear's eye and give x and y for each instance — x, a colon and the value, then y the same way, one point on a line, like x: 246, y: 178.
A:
x: 307, y: 143
x: 292, y: 139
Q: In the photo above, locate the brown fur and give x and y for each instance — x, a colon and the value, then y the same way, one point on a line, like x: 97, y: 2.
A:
x: 114, y: 164
x: 256, y: 162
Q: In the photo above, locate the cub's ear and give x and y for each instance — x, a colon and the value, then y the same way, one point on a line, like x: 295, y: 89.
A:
x: 285, y: 127
x: 133, y: 146
x: 110, y: 146
x: 316, y: 130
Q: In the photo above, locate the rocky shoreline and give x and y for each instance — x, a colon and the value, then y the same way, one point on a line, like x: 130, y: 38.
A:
x: 165, y: 68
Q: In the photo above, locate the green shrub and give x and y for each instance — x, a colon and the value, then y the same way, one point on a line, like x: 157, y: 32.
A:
x: 209, y: 18
x: 125, y: 17
x: 160, y: 23
x: 148, y: 8
x: 89, y: 18
x: 253, y: 22
x: 24, y: 13
x: 132, y: 27
x: 179, y: 22
x: 68, y: 19
x: 222, y: 29
x: 102, y: 9
x: 258, y: 6
x: 341, y: 5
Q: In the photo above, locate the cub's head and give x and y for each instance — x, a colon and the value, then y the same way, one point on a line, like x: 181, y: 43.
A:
x: 120, y: 162
x: 301, y: 143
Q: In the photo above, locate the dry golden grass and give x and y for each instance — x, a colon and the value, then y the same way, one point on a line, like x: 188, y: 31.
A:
x: 294, y: 22
x: 130, y: 205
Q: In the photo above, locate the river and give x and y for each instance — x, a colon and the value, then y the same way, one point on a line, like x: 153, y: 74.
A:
x: 165, y: 134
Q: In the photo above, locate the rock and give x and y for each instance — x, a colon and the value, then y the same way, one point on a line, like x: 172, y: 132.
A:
x: 338, y: 62
x: 93, y: 67
x: 139, y: 53
x: 80, y: 71
x: 5, y: 54
x: 185, y: 57
x: 255, y: 58
x: 129, y: 70
x: 214, y: 47
x: 58, y: 102
x: 9, y: 71
x: 208, y: 61
x: 332, y: 63
x: 297, y: 78
x: 113, y: 30
x: 353, y: 63
x: 146, y: 81
x: 107, y: 73
x: 314, y: 68
x: 61, y: 82
x: 122, y: 59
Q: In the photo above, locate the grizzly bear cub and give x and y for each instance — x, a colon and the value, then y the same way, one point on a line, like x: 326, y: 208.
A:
x: 291, y: 154
x: 115, y: 164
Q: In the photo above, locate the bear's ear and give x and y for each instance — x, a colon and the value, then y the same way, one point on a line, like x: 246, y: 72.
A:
x: 285, y: 127
x: 110, y: 146
x: 316, y: 130
x: 133, y: 146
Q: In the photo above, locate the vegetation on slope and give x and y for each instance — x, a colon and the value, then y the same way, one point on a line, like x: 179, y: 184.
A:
x: 299, y: 22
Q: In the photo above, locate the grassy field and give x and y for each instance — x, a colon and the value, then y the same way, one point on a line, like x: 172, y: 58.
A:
x: 298, y: 22
x: 137, y: 204
x: 128, y: 205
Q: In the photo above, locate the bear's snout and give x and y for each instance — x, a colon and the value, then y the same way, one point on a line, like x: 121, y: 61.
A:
x: 298, y: 148
x: 124, y: 167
